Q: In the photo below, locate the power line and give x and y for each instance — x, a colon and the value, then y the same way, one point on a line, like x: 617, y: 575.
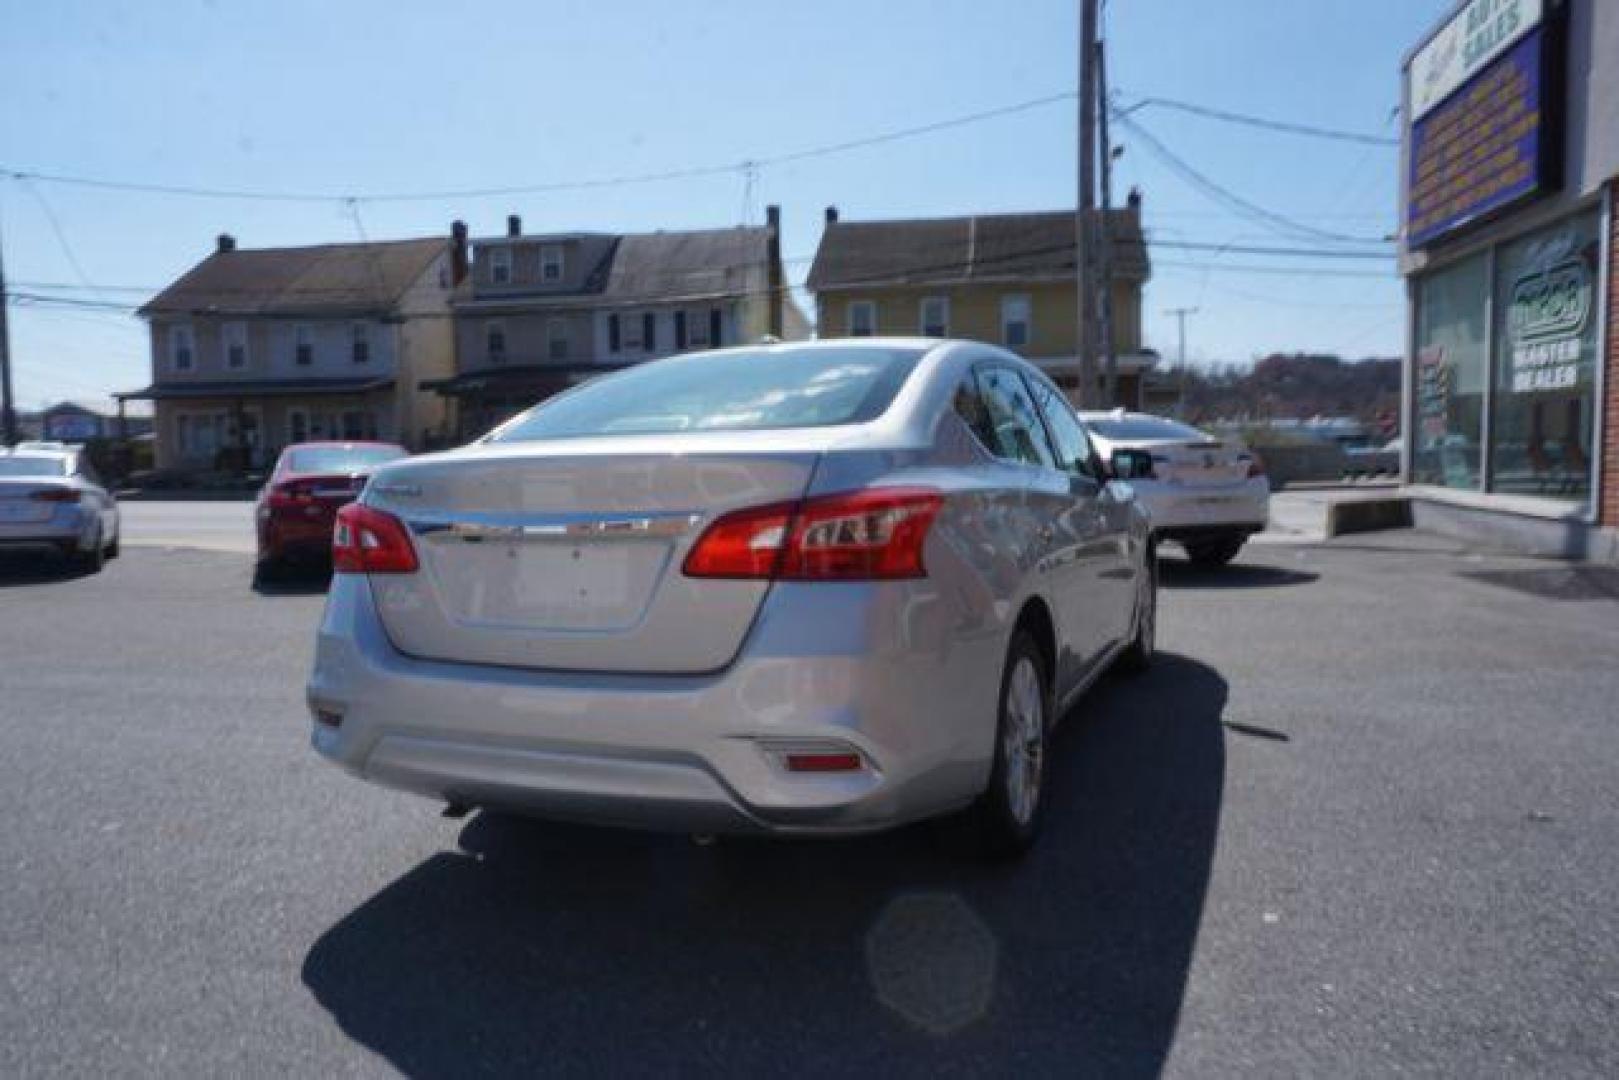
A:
x: 1270, y: 219
x: 1284, y: 126
x: 699, y: 171
x: 1286, y: 271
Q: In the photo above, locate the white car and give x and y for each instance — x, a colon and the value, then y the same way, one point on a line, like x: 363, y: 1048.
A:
x: 1208, y: 494
x: 50, y: 496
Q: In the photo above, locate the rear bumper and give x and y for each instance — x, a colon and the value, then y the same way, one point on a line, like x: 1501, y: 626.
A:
x: 68, y: 527
x: 681, y: 753
x: 1241, y: 507
x: 295, y: 538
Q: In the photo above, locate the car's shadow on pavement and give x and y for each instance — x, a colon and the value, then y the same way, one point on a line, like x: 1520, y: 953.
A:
x: 1180, y: 573
x: 45, y: 567
x: 541, y: 948
x: 299, y: 581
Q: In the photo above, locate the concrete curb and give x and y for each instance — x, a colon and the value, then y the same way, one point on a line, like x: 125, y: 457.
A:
x: 1346, y: 516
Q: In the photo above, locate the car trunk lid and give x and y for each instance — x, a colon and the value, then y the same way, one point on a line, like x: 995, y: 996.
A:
x: 1200, y: 463
x: 569, y: 558
x: 27, y: 500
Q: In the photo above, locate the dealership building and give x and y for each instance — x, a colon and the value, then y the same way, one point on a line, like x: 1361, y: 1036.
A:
x: 1509, y: 178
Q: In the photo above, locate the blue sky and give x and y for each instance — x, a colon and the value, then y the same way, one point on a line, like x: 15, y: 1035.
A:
x: 367, y: 97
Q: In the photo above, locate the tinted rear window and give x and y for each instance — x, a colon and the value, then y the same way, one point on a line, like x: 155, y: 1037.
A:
x: 341, y: 459
x: 736, y: 390
x: 1142, y: 429
x: 32, y: 466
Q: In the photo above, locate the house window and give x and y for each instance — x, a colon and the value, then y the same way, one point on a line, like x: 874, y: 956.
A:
x: 649, y: 332
x: 631, y: 328
x: 681, y: 339
x: 494, y: 338
x: 556, y: 339
x: 235, y: 335
x: 699, y: 327
x: 297, y: 426
x: 551, y: 263
x: 303, y: 345
x: 182, y: 347
x: 1015, y: 324
x: 358, y: 424
x: 935, y: 316
x: 862, y: 318
x: 500, y: 266
x: 615, y: 339
x: 360, y: 338
x: 715, y: 326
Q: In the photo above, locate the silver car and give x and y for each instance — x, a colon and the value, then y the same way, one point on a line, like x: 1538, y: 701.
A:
x: 50, y: 496
x: 812, y: 588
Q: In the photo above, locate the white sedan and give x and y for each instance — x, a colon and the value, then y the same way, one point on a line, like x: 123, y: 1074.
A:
x: 1206, y: 493
x: 50, y: 497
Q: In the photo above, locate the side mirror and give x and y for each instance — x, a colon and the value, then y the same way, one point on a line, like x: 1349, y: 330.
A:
x: 1130, y: 465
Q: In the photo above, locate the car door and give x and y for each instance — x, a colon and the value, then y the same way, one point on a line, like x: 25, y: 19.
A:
x: 1055, y: 519
x: 1106, y: 515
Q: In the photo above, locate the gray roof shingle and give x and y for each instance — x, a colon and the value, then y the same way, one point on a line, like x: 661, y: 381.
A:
x: 961, y: 249
x: 327, y: 279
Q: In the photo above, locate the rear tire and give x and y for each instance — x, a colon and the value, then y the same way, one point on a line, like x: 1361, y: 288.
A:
x: 112, y: 548
x: 91, y: 561
x: 1006, y: 817
x: 266, y: 572
x: 1210, y: 554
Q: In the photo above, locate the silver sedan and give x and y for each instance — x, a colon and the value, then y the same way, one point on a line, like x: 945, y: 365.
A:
x: 811, y: 588
x: 50, y: 496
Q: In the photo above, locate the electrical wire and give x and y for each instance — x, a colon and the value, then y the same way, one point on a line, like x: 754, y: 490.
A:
x: 1282, y: 126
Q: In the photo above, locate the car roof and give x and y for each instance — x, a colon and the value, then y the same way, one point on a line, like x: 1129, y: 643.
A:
x: 345, y: 444
x: 38, y: 449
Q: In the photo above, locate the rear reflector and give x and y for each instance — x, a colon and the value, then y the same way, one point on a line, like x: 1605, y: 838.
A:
x: 367, y: 541
x: 844, y: 762
x: 857, y: 536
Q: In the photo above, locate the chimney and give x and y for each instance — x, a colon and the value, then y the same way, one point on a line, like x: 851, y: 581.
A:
x: 458, y: 252
x: 514, y: 225
x: 774, y: 302
x: 1133, y: 200
x: 226, y: 242
x: 831, y: 215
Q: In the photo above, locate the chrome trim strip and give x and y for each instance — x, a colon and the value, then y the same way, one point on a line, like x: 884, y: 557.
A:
x: 571, y: 529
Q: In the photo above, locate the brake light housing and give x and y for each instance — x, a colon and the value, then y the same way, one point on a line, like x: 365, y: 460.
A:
x: 875, y: 534
x: 1256, y: 465
x: 57, y: 495
x: 370, y: 541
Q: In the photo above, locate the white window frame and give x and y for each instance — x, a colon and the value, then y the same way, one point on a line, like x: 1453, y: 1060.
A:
x: 490, y: 326
x: 552, y: 267
x: 303, y: 336
x: 868, y: 306
x: 182, y: 335
x: 500, y: 265
x: 944, y: 319
x: 1009, y: 302
x: 556, y: 332
x: 233, y: 336
x: 360, y: 332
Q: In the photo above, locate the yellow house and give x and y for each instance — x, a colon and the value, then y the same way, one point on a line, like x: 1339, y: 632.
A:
x: 1007, y: 279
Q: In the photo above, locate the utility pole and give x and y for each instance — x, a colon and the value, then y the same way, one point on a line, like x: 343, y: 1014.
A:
x: 1180, y: 314
x: 1104, y: 252
x: 1085, y: 340
x: 8, y: 405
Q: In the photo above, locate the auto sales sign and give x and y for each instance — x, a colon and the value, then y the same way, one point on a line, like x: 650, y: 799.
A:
x: 1480, y: 136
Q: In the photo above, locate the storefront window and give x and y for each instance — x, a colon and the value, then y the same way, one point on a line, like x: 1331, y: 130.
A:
x: 1545, y: 370
x: 1451, y: 373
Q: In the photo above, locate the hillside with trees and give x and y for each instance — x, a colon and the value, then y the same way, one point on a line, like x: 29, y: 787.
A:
x: 1286, y: 386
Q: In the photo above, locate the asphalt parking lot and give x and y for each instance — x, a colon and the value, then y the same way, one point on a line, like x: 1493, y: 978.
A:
x: 1361, y: 819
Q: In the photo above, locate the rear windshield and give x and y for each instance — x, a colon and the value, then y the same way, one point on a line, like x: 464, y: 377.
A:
x: 1142, y: 429
x: 341, y: 459
x: 32, y: 466
x: 736, y: 390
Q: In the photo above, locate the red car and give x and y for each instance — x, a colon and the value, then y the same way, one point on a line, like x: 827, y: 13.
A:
x: 299, y: 503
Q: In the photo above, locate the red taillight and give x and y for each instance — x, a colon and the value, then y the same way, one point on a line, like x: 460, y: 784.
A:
x: 368, y: 541
x: 286, y: 496
x: 1256, y: 466
x: 56, y: 495
x: 858, y: 536
x: 839, y: 762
